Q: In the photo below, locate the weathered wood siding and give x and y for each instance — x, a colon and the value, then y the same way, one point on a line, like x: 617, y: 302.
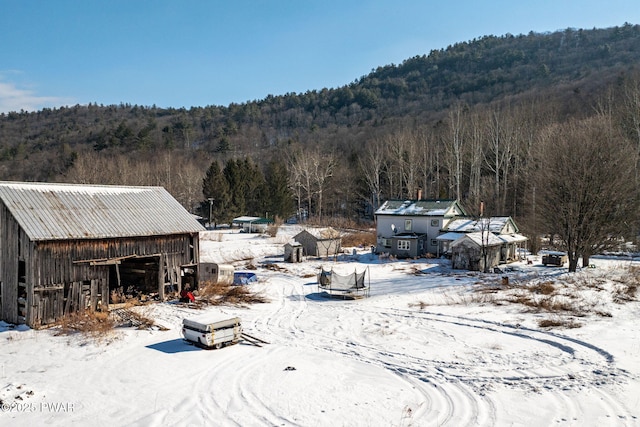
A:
x: 10, y: 237
x: 65, y: 261
x: 468, y: 256
x: 64, y: 276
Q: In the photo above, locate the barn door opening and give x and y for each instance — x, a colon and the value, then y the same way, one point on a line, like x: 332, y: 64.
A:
x: 134, y: 278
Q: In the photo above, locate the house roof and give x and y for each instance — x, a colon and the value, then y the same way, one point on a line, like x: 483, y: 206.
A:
x: 480, y: 239
x: 69, y: 211
x: 513, y: 238
x: 451, y: 236
x: 421, y: 207
x: 495, y: 224
x: 407, y: 236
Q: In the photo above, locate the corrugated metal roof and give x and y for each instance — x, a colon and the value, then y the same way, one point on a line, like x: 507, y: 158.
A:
x: 69, y: 211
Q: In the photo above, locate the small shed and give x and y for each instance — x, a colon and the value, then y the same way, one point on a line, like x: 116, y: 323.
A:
x: 319, y: 242
x: 66, y: 248
x: 293, y: 252
x: 216, y: 273
x: 476, y: 251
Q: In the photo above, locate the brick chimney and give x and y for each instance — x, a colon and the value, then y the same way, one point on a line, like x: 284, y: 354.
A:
x: 419, y: 194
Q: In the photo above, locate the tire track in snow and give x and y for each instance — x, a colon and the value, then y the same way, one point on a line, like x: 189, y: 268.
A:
x: 586, y: 367
x: 283, y: 323
x: 235, y: 397
x: 449, y: 402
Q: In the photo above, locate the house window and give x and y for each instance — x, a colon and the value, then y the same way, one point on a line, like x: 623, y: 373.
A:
x: 434, y: 242
x: 386, y: 243
x: 407, y: 224
x: 435, y: 223
x: 404, y: 245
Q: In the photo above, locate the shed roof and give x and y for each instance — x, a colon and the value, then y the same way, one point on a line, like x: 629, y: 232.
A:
x: 327, y: 233
x: 70, y: 211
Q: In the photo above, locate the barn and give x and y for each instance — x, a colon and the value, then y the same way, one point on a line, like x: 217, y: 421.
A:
x: 66, y: 248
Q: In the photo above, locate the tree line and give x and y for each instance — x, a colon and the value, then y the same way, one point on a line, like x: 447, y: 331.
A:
x: 486, y: 120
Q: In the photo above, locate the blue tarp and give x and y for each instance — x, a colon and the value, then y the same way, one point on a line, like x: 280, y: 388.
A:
x: 244, y: 277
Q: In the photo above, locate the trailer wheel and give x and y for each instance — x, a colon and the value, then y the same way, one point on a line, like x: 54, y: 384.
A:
x: 218, y: 346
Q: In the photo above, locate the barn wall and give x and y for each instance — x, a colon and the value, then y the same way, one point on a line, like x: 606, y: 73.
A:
x: 66, y: 276
x: 69, y: 260
x: 9, y: 256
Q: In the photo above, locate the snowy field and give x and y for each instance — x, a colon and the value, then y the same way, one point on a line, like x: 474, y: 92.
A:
x: 429, y: 347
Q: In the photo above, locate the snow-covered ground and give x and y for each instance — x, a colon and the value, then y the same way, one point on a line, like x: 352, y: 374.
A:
x: 429, y: 347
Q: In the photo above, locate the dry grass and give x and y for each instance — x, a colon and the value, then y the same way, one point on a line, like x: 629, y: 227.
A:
x: 362, y: 238
x: 93, y: 324
x: 220, y: 293
x: 272, y: 230
x: 543, y: 288
x: 558, y: 322
x: 420, y: 304
x: 626, y: 288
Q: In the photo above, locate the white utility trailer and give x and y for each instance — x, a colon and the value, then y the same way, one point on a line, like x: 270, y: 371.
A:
x: 212, y: 331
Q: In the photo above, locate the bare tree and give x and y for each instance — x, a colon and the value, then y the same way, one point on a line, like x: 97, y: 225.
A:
x: 586, y: 185
x: 301, y: 178
x: 310, y: 171
x: 499, y: 154
x: 372, y: 164
x: 404, y: 162
x: 454, y: 146
x: 475, y: 160
x: 322, y: 170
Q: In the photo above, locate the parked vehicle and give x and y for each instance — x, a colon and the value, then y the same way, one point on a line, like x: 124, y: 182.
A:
x: 554, y: 258
x: 212, y: 331
x: 216, y: 273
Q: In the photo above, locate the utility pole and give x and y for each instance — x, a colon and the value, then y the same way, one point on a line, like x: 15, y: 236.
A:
x: 210, y: 199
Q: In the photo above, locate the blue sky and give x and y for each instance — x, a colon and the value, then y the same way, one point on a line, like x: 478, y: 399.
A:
x: 184, y: 53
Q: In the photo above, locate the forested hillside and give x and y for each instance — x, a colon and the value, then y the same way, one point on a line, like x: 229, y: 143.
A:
x: 472, y: 121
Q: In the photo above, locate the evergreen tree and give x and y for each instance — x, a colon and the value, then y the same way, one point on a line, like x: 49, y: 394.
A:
x: 279, y: 198
x: 255, y: 189
x: 234, y: 175
x: 216, y: 188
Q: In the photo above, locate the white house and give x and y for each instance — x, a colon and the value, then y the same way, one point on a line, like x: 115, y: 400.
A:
x: 409, y: 228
